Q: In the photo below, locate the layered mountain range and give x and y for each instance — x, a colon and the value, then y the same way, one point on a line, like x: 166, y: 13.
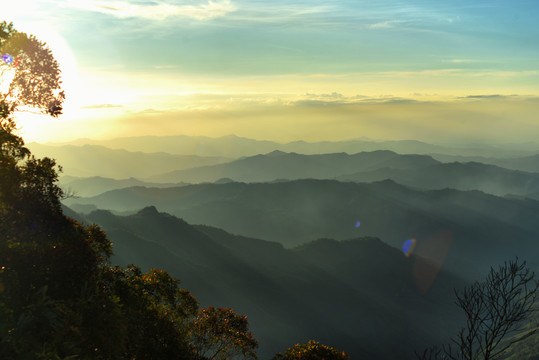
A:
x: 485, y: 229
x: 360, y: 250
x: 360, y: 294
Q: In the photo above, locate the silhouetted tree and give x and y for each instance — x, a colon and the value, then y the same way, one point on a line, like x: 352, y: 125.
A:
x: 37, y: 285
x: 496, y: 312
x: 29, y: 72
x: 312, y: 350
x: 150, y: 312
x: 59, y: 296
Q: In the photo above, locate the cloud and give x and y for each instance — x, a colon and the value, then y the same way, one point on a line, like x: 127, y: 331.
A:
x: 102, y: 106
x: 383, y: 25
x: 495, y: 96
x: 317, y: 103
x: 346, y: 101
x: 493, y: 120
x: 301, y: 14
x: 158, y: 10
x: 461, y: 61
x: 333, y: 95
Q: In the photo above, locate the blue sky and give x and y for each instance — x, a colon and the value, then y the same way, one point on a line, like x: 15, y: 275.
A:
x: 206, y: 59
x: 287, y: 37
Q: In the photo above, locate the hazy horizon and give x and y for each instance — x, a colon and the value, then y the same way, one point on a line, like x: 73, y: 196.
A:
x: 286, y: 71
x: 457, y: 143
x: 341, y: 171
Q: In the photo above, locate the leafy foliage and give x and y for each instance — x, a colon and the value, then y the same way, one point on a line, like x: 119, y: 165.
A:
x: 151, y: 315
x: 34, y: 79
x: 312, y: 350
x: 221, y: 334
x: 59, y: 296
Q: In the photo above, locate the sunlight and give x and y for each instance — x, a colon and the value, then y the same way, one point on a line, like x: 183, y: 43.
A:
x: 38, y: 127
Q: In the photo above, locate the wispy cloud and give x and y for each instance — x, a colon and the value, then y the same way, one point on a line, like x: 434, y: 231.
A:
x: 157, y: 10
x: 333, y: 95
x: 323, y: 100
x: 494, y: 96
x: 461, y: 61
x: 286, y: 12
x: 383, y: 25
x: 102, y: 106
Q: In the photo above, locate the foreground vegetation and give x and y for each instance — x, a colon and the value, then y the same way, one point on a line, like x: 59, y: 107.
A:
x: 60, y: 298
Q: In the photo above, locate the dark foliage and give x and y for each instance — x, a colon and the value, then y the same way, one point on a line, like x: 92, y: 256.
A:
x: 312, y: 350
x: 59, y: 296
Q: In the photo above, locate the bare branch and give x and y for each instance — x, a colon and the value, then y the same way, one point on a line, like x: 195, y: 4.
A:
x: 495, y: 309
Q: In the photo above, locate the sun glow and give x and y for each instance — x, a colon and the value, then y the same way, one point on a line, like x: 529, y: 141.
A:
x: 37, y: 127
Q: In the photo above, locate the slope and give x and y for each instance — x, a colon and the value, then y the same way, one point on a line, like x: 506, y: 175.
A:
x: 93, y: 160
x: 368, y: 306
x: 291, y: 166
x: 96, y: 185
x: 298, y: 211
x: 462, y: 176
x: 526, y: 163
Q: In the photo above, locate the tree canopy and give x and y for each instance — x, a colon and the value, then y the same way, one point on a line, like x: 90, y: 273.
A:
x: 312, y: 350
x: 60, y: 298
x: 30, y: 76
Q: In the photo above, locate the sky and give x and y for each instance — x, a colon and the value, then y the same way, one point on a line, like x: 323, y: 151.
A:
x: 284, y: 70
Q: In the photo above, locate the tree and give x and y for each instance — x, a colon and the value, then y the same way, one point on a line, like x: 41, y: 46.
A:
x: 152, y: 314
x: 60, y: 298
x: 496, y: 312
x: 312, y: 350
x: 220, y: 334
x: 38, y: 287
x: 29, y: 73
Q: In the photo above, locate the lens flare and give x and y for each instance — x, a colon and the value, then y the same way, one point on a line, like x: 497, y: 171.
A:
x: 408, y: 247
x: 357, y: 224
x: 8, y: 59
x: 431, y: 255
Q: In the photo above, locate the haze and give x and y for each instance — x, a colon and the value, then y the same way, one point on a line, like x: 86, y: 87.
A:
x: 289, y: 70
x: 342, y: 171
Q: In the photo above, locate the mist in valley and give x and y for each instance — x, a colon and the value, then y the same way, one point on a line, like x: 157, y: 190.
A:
x: 313, y: 245
x: 228, y: 179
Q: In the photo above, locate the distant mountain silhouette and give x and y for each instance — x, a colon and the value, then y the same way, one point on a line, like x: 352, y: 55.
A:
x: 93, y: 160
x: 419, y: 171
x: 280, y: 165
x: 298, y: 211
x: 526, y: 163
x: 232, y: 146
x: 462, y: 176
x: 96, y: 185
x: 359, y: 295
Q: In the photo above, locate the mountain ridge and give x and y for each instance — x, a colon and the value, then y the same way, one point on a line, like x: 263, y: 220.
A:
x: 297, y: 211
x: 97, y: 160
x: 287, y: 296
x: 235, y: 146
x: 278, y: 165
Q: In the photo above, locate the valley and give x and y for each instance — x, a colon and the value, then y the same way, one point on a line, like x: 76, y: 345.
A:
x: 287, y: 238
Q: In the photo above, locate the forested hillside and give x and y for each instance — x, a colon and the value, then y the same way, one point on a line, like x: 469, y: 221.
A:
x: 360, y: 295
x: 60, y: 297
x: 231, y: 248
x: 296, y: 212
